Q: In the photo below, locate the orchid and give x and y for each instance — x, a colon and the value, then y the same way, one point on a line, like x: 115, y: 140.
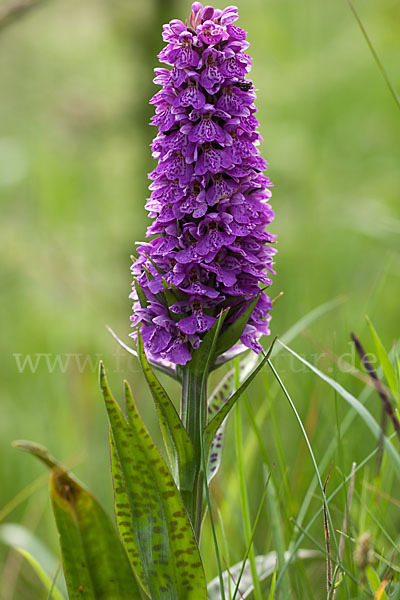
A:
x: 209, y: 197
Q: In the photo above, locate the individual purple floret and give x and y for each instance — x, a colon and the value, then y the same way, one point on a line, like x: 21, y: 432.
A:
x: 207, y: 247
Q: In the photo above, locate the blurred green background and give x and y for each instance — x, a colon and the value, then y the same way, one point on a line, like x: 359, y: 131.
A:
x: 75, y: 81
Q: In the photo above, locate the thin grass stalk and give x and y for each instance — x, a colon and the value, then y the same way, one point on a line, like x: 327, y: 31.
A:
x: 227, y: 558
x: 53, y: 583
x: 347, y: 421
x: 264, y: 408
x: 375, y: 55
x: 244, y: 501
x: 334, y: 589
x: 278, y: 443
x: 327, y: 542
x: 278, y: 538
x: 249, y: 546
x: 273, y: 505
x: 287, y: 337
x: 313, y: 461
x: 304, y: 530
x: 345, y: 425
x: 379, y: 525
x: 341, y: 461
x: 323, y: 550
x: 381, y: 494
x: 346, y: 518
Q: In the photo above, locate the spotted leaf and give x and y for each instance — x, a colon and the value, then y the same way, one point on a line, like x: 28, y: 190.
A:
x: 177, y: 442
x: 95, y: 564
x: 152, y: 520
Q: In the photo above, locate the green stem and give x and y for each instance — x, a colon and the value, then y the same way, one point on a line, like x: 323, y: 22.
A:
x: 191, y: 416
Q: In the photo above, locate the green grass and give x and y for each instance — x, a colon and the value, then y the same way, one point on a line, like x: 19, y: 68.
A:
x: 73, y: 161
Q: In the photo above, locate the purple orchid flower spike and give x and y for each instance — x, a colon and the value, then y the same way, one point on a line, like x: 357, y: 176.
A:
x: 208, y: 246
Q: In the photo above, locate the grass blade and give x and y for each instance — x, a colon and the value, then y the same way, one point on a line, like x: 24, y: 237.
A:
x: 273, y: 582
x: 345, y: 425
x: 292, y: 553
x: 44, y: 578
x: 265, y: 568
x: 375, y: 55
x: 358, y: 407
x: 377, y: 586
x: 53, y: 583
x: 19, y: 537
x: 244, y: 500
x: 388, y: 368
x: 250, y: 541
x: 325, y: 504
x: 306, y: 321
x: 272, y: 503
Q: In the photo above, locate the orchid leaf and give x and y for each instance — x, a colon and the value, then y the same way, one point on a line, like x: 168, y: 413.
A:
x: 95, y: 564
x: 177, y: 442
x: 201, y: 356
x: 215, y: 402
x: 215, y: 452
x: 123, y: 516
x: 232, y: 334
x: 94, y: 560
x: 213, y: 426
x: 155, y: 529
x: 229, y: 355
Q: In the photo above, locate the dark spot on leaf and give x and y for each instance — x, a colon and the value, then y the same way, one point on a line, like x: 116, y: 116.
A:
x: 66, y: 487
x: 166, y: 495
